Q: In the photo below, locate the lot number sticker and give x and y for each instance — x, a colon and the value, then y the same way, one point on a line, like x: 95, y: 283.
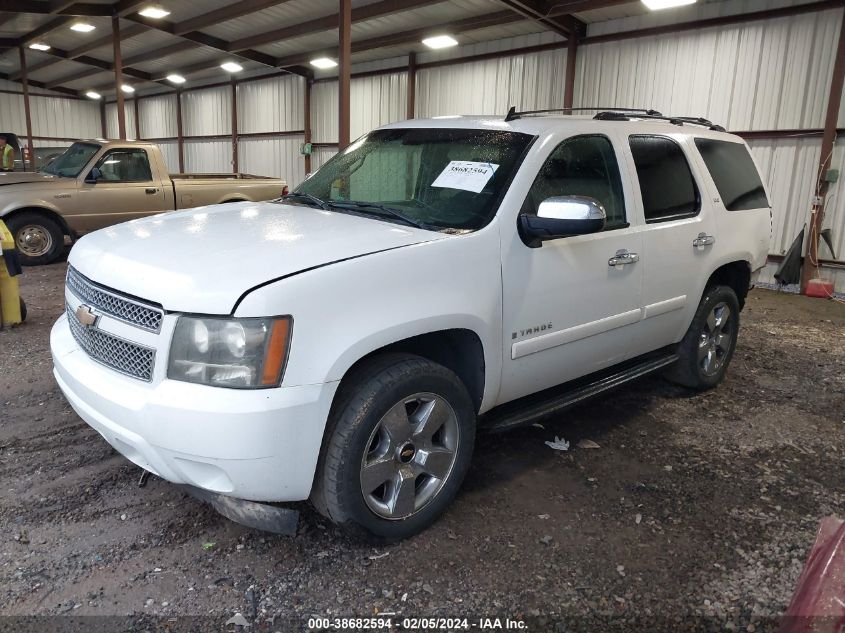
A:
x: 465, y: 174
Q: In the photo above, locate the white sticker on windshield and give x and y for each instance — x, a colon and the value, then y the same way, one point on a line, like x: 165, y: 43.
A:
x: 465, y: 174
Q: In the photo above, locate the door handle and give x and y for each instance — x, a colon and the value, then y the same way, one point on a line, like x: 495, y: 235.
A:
x: 703, y: 240
x: 150, y: 191
x: 623, y: 258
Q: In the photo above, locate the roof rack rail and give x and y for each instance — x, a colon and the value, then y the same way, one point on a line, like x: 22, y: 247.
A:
x: 513, y: 114
x: 674, y: 120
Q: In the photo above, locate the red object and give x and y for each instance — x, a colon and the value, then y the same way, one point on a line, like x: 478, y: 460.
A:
x: 818, y: 604
x: 820, y: 288
x: 285, y: 190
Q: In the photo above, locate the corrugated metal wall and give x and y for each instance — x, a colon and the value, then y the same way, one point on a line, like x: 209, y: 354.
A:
x: 272, y: 156
x: 208, y: 156
x: 492, y: 86
x: 764, y: 75
x: 207, y: 112
x: 271, y: 105
x: 157, y: 116
x: 170, y: 149
x: 61, y: 118
x: 374, y: 101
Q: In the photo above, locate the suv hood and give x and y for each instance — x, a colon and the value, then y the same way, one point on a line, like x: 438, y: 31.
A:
x: 202, y: 260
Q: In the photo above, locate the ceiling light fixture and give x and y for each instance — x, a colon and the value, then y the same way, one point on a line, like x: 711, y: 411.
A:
x: 657, y: 5
x: 154, y: 11
x: 93, y: 95
x: 37, y: 46
x: 82, y: 27
x: 323, y: 62
x: 127, y: 88
x: 175, y: 79
x: 231, y: 67
x: 440, y: 41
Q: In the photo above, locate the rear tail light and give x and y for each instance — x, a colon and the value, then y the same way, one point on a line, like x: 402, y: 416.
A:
x: 285, y: 190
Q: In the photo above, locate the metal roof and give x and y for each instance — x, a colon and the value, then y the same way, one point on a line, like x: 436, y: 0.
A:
x: 266, y: 35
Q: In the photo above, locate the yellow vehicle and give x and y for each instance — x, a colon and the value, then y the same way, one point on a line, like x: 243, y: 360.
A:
x: 12, y: 306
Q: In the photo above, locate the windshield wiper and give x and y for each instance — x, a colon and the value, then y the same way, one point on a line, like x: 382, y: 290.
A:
x: 356, y: 204
x: 307, y: 197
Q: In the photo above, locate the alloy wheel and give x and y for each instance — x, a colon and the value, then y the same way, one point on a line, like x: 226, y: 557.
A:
x: 409, y: 456
x: 715, y: 340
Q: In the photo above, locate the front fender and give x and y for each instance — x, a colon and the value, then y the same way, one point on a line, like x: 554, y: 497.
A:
x: 346, y: 310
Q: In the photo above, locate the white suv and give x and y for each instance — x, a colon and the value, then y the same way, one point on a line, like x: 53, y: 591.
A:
x: 437, y: 277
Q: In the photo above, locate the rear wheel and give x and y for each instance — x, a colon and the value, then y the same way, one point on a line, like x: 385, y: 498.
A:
x: 38, y: 238
x: 708, y: 346
x: 397, y: 448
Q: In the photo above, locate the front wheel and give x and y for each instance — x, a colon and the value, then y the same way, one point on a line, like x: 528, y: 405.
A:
x: 708, y: 346
x: 38, y: 238
x: 397, y: 448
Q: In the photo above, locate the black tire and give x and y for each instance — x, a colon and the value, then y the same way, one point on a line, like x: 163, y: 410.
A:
x: 51, y: 229
x: 690, y: 370
x: 365, y: 396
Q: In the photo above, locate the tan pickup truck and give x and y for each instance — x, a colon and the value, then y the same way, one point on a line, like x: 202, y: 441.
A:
x: 99, y: 183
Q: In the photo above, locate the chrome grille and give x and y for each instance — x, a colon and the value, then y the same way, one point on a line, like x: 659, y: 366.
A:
x: 128, y: 358
x: 120, y: 307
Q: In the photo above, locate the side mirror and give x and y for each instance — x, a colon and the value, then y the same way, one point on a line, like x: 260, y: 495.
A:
x: 93, y: 176
x: 562, y: 216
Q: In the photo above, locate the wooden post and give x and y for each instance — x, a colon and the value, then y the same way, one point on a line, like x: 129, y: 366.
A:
x: 118, y: 77
x: 307, y: 121
x: 180, y: 140
x: 27, y: 111
x: 234, y: 126
x: 810, y: 268
x: 412, y: 85
x: 344, y: 76
x: 571, y: 58
x: 137, y: 120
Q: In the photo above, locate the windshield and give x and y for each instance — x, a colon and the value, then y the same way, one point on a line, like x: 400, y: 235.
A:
x: 437, y: 178
x: 74, y: 159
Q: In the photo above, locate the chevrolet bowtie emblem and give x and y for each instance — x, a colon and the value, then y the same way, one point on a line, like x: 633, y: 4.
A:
x: 86, y: 316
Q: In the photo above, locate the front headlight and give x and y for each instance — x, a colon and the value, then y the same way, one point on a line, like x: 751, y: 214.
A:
x: 224, y: 352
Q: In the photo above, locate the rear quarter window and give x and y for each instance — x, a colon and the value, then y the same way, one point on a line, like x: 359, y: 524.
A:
x: 734, y: 173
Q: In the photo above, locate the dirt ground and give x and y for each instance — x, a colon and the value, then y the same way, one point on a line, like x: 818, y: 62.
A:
x: 697, y: 511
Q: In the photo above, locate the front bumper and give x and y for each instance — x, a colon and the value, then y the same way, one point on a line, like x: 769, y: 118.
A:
x: 260, y: 445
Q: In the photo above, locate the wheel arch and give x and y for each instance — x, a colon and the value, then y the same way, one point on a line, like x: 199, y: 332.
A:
x: 40, y: 210
x: 736, y: 275
x: 457, y: 349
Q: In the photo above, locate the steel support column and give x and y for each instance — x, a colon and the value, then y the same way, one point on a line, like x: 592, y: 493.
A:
x: 810, y: 268
x: 137, y: 120
x: 234, y: 126
x: 345, y: 71
x: 27, y: 111
x: 180, y: 137
x: 412, y: 85
x: 118, y: 77
x: 104, y: 129
x: 306, y: 118
x: 571, y: 58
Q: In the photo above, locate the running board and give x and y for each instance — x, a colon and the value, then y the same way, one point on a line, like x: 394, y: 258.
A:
x: 531, y: 408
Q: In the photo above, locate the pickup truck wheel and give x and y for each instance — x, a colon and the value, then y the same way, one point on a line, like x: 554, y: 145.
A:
x: 708, y: 346
x: 397, y: 448
x: 38, y: 238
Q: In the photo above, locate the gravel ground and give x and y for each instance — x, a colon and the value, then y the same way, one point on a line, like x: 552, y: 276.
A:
x: 697, y: 510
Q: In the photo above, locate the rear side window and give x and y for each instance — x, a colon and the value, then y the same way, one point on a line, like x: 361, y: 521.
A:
x: 734, y: 173
x: 666, y: 183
